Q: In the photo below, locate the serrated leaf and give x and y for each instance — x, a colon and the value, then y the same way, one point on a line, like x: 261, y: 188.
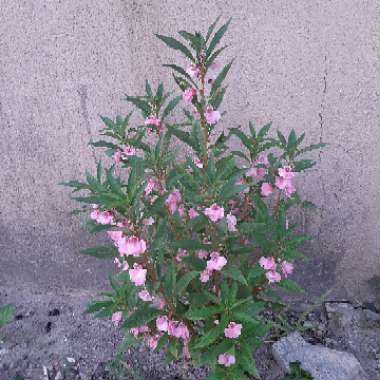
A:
x: 101, y: 252
x: 185, y: 280
x: 217, y: 37
x: 176, y: 45
x: 236, y: 274
x: 6, y: 314
x: 204, y: 313
x: 290, y: 286
x: 220, y: 78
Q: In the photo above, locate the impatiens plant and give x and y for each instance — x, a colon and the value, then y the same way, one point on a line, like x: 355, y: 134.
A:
x: 198, y: 230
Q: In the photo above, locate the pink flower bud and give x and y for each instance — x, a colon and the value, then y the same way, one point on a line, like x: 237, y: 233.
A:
x: 193, y: 71
x: 216, y: 262
x: 273, y: 276
x: 150, y: 186
x: 117, y: 318
x: 129, y: 151
x: 188, y: 95
x: 144, y: 295
x: 266, y: 189
x: 181, y: 254
x: 287, y: 268
x: 193, y: 213
x: 212, y: 117
x: 262, y: 159
x: 201, y: 254
x: 268, y: 263
x: 137, y: 275
x: 153, y: 120
x: 256, y: 173
x: 162, y: 323
x: 231, y: 222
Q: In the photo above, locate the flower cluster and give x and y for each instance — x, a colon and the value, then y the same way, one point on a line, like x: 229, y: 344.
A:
x: 199, y: 233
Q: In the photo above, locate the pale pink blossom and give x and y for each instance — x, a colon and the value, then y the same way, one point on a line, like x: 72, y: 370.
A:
x: 172, y: 201
x: 123, y: 265
x: 256, y: 173
x: 153, y: 120
x: 231, y: 222
x: 212, y: 117
x: 148, y: 221
x: 266, y: 189
x: 268, y: 263
x: 233, y: 330
x: 287, y: 268
x: 285, y: 185
x: 286, y: 172
x: 201, y: 254
x: 188, y: 94
x: 205, y: 275
x: 216, y: 262
x: 162, y: 323
x: 193, y: 71
x: 216, y: 322
x: 151, y: 184
x: 226, y: 359
x: 214, y: 212
x: 273, y: 276
x: 181, y: 254
x: 144, y: 295
x: 178, y: 330
x: 198, y: 162
x: 262, y: 159
x: 105, y: 217
x: 131, y: 246
x: 117, y: 317
x: 193, y: 213
x: 137, y: 275
x: 116, y: 236
x: 136, y: 331
x: 129, y: 151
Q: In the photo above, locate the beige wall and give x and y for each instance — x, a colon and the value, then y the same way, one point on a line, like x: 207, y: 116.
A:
x: 308, y: 65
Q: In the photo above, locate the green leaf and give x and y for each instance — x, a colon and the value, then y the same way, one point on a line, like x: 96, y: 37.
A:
x: 6, y: 314
x: 264, y: 131
x: 103, y: 144
x: 311, y: 147
x: 185, y: 280
x: 282, y: 139
x: 190, y: 245
x: 303, y: 165
x: 211, y: 336
x: 181, y: 71
x: 170, y: 107
x: 204, y: 313
x: 217, y: 37
x: 176, y: 45
x: 101, y: 252
x: 96, y: 306
x: 236, y: 274
x: 211, y: 28
x: 290, y: 286
x: 220, y: 78
x: 141, y: 316
x: 140, y: 104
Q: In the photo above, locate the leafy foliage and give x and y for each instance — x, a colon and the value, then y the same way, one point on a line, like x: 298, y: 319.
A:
x: 297, y: 373
x: 200, y: 232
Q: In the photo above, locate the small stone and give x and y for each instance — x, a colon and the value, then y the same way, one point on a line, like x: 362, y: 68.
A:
x: 323, y: 363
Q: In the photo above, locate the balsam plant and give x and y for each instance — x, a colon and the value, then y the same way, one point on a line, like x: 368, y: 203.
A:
x: 198, y: 231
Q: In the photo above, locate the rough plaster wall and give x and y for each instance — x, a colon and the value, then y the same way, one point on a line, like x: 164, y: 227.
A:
x: 308, y: 65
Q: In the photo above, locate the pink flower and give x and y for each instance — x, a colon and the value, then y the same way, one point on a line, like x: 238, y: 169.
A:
x: 151, y: 184
x: 214, y: 212
x: 144, y: 295
x: 105, y: 217
x: 257, y: 173
x: 137, y: 275
x: 178, y: 330
x: 132, y: 246
x: 266, y: 189
x: 188, y: 95
x: 216, y: 262
x: 233, y: 330
x: 129, y: 151
x: 287, y: 268
x: 172, y: 201
x: 268, y: 263
x: 212, y: 117
x: 198, y: 162
x: 148, y: 221
x: 286, y: 185
x: 226, y: 359
x: 193, y: 213
x: 286, y: 172
x: 117, y: 318
x: 262, y: 159
x: 153, y: 120
x: 202, y: 254
x: 273, y: 276
x: 205, y: 275
x: 231, y: 222
x: 180, y: 254
x: 193, y: 71
x: 136, y: 331
x: 116, y: 236
x: 162, y: 323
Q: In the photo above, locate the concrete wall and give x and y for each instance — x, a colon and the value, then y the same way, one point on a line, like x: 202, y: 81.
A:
x: 308, y: 65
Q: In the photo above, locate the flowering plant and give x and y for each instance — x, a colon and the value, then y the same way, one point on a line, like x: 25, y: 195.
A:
x: 199, y: 232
